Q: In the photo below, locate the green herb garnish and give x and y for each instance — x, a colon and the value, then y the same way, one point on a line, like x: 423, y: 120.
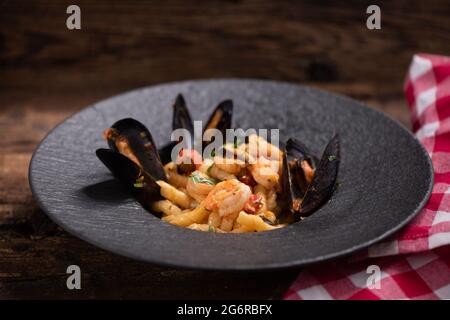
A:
x: 332, y: 157
x: 211, y: 229
x: 195, y: 176
x: 139, y: 183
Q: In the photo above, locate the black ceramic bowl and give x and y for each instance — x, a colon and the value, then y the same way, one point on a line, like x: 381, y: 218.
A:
x: 385, y: 177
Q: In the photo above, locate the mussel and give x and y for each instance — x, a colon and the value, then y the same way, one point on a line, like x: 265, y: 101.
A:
x: 220, y: 119
x: 133, y: 157
x: 308, y: 183
x: 132, y: 139
x: 143, y: 186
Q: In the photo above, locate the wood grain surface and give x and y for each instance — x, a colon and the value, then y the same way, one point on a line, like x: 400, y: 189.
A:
x: 48, y: 72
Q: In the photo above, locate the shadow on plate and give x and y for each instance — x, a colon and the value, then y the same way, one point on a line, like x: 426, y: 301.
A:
x: 110, y: 191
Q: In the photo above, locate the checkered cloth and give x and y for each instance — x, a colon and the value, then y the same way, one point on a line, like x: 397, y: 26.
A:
x: 415, y: 263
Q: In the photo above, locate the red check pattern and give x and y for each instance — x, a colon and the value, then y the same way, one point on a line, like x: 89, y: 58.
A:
x: 415, y: 263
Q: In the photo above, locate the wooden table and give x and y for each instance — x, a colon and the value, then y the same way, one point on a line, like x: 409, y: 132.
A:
x: 48, y: 72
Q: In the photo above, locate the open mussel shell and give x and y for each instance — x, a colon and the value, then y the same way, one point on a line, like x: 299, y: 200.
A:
x: 323, y: 183
x: 221, y: 117
x: 181, y: 117
x: 298, y: 156
x: 299, y: 151
x: 131, y: 138
x: 298, y: 200
x: 141, y: 184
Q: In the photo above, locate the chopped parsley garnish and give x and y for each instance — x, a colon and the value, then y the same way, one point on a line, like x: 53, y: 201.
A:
x: 332, y: 157
x: 139, y: 183
x: 195, y: 176
x: 211, y: 229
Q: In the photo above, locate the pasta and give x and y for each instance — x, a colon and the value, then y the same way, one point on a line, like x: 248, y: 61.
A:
x: 173, y: 194
x: 233, y: 193
x: 167, y: 208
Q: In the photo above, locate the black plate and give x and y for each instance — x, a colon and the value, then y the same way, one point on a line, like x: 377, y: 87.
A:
x: 385, y: 177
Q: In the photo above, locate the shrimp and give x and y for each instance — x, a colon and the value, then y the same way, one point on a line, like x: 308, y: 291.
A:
x: 227, y: 197
x: 228, y: 165
x: 217, y: 173
x: 259, y: 147
x: 271, y: 199
x: 214, y: 219
x: 199, y: 185
x: 264, y: 174
x: 228, y: 221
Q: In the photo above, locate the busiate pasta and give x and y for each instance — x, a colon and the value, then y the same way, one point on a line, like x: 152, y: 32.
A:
x: 236, y: 193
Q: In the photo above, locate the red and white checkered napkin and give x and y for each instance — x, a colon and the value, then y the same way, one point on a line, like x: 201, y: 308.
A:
x: 415, y: 263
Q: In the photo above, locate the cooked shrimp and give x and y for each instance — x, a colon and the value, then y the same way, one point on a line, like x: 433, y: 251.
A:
x: 217, y: 173
x: 271, y: 199
x: 214, y: 219
x: 227, y: 197
x: 264, y: 174
x: 259, y: 147
x: 228, y: 165
x: 199, y: 185
x: 228, y: 221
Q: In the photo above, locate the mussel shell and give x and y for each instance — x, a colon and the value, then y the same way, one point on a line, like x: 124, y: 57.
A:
x: 128, y: 173
x: 299, y: 200
x: 323, y: 183
x: 297, y: 150
x: 165, y: 152
x: 181, y: 118
x: 286, y: 183
x: 141, y: 143
x: 221, y: 117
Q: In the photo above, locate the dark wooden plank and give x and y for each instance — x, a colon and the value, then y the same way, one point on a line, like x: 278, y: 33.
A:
x: 138, y: 43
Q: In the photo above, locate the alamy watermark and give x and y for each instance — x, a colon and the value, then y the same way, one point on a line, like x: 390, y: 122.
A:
x: 373, y: 22
x: 74, y: 280
x: 73, y: 21
x: 374, y: 280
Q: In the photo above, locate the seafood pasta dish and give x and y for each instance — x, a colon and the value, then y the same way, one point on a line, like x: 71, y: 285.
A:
x: 222, y: 182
